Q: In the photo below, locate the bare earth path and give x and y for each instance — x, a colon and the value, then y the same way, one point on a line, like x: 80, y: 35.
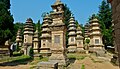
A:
x: 16, y: 67
x: 89, y: 64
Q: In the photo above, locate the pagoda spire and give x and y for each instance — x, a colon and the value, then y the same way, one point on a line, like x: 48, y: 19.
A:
x: 57, y: 0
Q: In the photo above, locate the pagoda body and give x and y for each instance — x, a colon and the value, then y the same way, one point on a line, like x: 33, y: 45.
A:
x: 72, y: 45
x: 19, y: 38
x: 36, y: 42
x: 46, y: 36
x: 28, y: 35
x: 87, y: 29
x: 58, y: 32
x: 79, y: 39
x: 96, y: 43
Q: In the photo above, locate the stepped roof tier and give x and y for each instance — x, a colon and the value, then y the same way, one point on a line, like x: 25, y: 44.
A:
x: 87, y: 29
x: 72, y: 25
x: 79, y: 33
x: 36, y: 36
x: 28, y: 28
x: 45, y: 27
x: 95, y: 27
x: 18, y: 37
x: 58, y: 2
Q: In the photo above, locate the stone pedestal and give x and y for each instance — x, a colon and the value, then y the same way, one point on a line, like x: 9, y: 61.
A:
x: 59, y: 56
x: 58, y: 48
x: 47, y: 65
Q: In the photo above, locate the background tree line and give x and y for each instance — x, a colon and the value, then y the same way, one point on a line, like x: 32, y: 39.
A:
x: 8, y: 29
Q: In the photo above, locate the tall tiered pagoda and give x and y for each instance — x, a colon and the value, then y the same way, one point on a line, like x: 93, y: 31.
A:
x: 28, y: 35
x: 96, y: 43
x: 79, y: 39
x: 58, y: 32
x: 46, y: 36
x: 72, y: 46
x: 36, y: 42
x: 19, y: 38
x: 87, y: 29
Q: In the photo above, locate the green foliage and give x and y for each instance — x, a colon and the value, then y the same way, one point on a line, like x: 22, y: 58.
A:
x: 38, y: 26
x: 6, y: 21
x: 31, y: 53
x: 17, y: 26
x: 105, y: 18
x: 83, y: 66
x: 83, y: 30
x: 19, y: 59
x: 76, y: 56
x: 67, y: 15
x: 87, y: 41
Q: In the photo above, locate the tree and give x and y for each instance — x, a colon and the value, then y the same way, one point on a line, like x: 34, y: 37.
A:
x: 38, y: 25
x: 105, y: 18
x: 67, y: 15
x: 6, y: 21
x: 17, y: 26
x: 105, y: 15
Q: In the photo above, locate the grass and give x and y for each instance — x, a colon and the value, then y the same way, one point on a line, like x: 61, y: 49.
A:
x: 95, y: 61
x: 38, y: 59
x: 18, y: 59
x: 83, y: 66
x: 17, y: 54
x: 76, y: 56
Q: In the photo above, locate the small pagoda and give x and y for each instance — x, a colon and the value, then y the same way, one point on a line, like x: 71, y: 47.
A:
x: 19, y: 38
x: 28, y: 35
x: 87, y: 29
x: 46, y: 36
x: 36, y: 41
x: 79, y: 39
x: 96, y: 43
x: 72, y: 45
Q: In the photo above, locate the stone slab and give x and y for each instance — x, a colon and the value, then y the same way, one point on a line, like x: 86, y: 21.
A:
x: 47, y: 65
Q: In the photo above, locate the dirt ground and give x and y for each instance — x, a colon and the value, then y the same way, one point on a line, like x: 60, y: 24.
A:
x: 88, y: 63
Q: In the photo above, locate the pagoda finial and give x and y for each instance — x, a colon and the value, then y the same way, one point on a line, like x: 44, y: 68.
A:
x: 72, y: 15
x: 57, y: 0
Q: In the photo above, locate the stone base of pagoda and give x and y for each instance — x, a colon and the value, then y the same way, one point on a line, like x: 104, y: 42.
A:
x: 35, y: 50
x: 98, y: 49
x: 72, y: 48
x: 81, y: 50
x: 60, y: 57
x: 45, y: 52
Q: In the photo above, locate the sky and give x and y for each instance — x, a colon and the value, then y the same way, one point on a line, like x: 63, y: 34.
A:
x: 23, y: 9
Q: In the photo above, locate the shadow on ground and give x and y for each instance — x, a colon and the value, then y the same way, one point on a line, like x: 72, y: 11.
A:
x: 16, y: 62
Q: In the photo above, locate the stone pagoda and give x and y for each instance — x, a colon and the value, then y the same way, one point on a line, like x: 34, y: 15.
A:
x: 46, y: 36
x: 19, y: 38
x: 58, y: 32
x: 87, y: 29
x: 28, y: 35
x: 72, y: 45
x: 79, y: 39
x: 96, y: 43
x: 36, y: 41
